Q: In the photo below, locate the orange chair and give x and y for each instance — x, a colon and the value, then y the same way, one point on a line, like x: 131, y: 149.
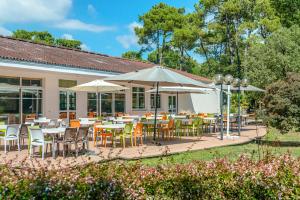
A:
x: 138, y: 132
x: 74, y: 123
x: 97, y: 133
x: 169, y: 129
x: 100, y: 132
x: 91, y: 115
x: 164, y: 117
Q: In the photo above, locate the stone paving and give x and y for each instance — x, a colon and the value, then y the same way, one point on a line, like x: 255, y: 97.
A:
x: 149, y: 149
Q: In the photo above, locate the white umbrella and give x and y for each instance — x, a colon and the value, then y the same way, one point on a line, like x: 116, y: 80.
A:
x: 98, y: 86
x: 157, y: 76
x: 180, y: 90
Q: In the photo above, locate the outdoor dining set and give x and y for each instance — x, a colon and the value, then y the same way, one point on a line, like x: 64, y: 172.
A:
x: 53, y: 133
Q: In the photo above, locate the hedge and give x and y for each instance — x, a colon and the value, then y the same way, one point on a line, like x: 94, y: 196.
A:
x: 269, y: 178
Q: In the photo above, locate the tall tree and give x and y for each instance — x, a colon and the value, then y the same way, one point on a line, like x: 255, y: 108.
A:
x: 184, y: 38
x: 157, y: 27
x: 134, y: 55
x: 288, y: 11
x: 46, y: 38
x: 73, y: 44
x: 232, y: 24
x: 270, y: 61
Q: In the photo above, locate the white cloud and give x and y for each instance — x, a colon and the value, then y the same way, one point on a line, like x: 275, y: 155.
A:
x: 128, y: 40
x: 67, y: 36
x: 5, y: 32
x: 91, y: 10
x: 51, y: 13
x: 74, y: 24
x: 85, y: 47
x: 33, y: 10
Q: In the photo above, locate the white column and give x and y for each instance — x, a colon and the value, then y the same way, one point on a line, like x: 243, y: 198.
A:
x: 228, y: 109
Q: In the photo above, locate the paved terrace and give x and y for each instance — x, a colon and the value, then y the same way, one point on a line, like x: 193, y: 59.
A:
x: 97, y: 154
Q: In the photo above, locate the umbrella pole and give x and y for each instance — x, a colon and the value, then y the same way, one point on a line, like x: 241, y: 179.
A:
x: 177, y: 102
x: 155, y: 113
x: 97, y: 103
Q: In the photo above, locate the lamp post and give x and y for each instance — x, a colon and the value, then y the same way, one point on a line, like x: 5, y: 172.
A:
x: 228, y: 82
x: 218, y: 80
x: 238, y: 83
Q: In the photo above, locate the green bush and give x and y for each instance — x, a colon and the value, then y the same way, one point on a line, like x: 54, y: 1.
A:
x: 282, y: 103
x: 269, y: 178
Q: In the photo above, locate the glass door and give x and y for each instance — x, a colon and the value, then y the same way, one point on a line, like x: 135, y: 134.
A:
x: 67, y: 105
x: 172, y: 104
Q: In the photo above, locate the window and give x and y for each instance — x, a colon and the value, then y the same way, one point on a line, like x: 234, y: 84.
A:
x: 152, y: 101
x: 66, y: 83
x: 138, y: 98
x: 32, y: 101
x: 119, y: 102
x: 16, y: 101
x: 106, y: 103
x: 31, y: 82
x: 67, y: 100
x: 92, y: 102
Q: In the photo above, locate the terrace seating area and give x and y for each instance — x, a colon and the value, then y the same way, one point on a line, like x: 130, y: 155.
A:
x: 69, y: 138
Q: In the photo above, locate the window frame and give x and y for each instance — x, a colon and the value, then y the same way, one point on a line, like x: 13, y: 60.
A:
x: 138, y: 93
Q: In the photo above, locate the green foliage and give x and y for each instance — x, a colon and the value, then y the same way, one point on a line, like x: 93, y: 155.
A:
x: 282, y: 103
x: 35, y: 36
x: 269, y: 178
x: 158, y: 24
x: 45, y: 37
x: 272, y: 60
x: 173, y: 60
x: 133, y: 55
x: 288, y: 11
x: 74, y: 44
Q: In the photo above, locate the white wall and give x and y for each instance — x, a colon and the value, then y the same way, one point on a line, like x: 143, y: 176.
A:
x: 187, y: 103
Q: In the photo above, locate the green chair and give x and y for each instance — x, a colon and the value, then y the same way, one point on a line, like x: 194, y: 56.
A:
x: 126, y: 132
x: 195, y: 127
x: 2, y: 131
x: 178, y: 128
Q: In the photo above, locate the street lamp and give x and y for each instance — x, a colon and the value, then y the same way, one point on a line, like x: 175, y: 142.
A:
x: 228, y: 81
x: 238, y: 83
x: 219, y: 80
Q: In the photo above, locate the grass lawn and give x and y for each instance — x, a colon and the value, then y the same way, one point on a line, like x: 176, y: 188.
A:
x: 276, y: 144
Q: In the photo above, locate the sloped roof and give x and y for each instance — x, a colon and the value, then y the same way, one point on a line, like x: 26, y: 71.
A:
x: 21, y: 50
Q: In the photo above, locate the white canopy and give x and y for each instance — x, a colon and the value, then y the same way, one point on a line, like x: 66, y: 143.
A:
x: 98, y: 86
x: 181, y: 90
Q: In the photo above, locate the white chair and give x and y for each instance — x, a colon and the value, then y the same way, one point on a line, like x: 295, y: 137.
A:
x: 12, y: 133
x: 37, y: 139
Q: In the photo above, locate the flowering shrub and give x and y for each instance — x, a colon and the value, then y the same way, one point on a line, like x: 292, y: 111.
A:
x: 269, y: 178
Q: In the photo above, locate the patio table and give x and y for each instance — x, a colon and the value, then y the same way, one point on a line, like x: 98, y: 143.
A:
x: 87, y: 119
x: 123, y: 120
x: 179, y: 117
x: 87, y: 123
x: 131, y: 117
x: 53, y: 132
x: 210, y: 120
x: 114, y: 128
x: 42, y: 121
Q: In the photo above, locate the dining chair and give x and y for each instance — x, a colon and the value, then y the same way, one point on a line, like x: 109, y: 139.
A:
x: 169, y: 129
x: 97, y: 133
x: 82, y: 137
x: 138, y: 132
x: 106, y: 133
x: 178, y: 128
x: 24, y: 133
x: 12, y: 133
x: 37, y: 139
x: 127, y: 131
x: 69, y: 138
x: 74, y: 123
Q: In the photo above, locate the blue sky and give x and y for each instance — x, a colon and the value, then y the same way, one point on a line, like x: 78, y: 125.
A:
x: 104, y: 26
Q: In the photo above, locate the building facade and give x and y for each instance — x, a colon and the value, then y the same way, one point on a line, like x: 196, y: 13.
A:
x: 34, y: 79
